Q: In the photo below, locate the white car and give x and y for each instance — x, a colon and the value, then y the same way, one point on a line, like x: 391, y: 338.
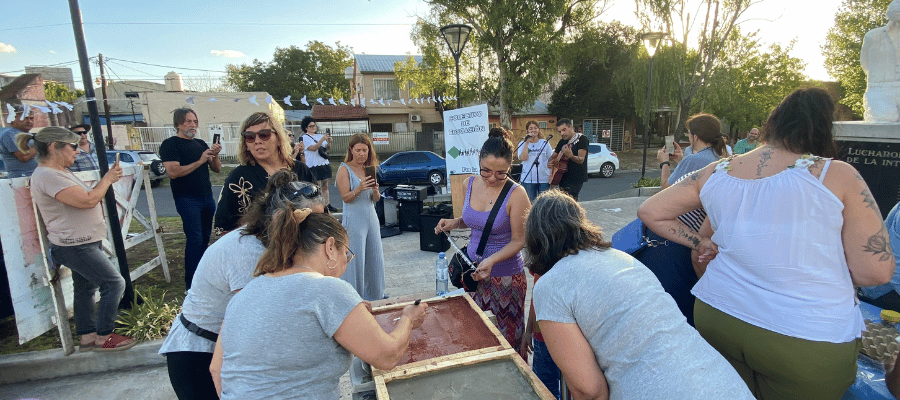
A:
x: 601, y: 160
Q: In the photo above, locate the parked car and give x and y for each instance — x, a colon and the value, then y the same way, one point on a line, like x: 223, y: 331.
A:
x: 601, y: 160
x: 413, y: 167
x: 157, y: 169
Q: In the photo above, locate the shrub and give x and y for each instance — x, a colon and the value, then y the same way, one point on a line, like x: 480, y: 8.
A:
x: 148, y: 320
x: 647, y: 182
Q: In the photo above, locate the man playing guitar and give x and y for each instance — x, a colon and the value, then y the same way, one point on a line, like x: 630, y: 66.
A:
x: 569, y: 160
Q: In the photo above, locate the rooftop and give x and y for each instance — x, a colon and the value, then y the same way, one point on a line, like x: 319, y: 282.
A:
x: 380, y: 63
x: 339, y: 113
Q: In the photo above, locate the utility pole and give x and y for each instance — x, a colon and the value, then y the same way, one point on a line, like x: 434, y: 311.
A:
x: 109, y: 140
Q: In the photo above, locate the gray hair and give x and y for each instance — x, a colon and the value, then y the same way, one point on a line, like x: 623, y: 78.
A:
x: 282, y: 191
x: 557, y: 227
x: 44, y: 137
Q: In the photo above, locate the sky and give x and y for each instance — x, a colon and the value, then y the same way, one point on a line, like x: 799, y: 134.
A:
x: 199, y: 38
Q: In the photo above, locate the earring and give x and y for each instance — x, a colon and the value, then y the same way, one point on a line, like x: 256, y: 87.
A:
x: 335, y: 264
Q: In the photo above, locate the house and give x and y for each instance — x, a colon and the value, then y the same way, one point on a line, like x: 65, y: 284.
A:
x: 124, y: 102
x: 535, y: 112
x: 28, y: 89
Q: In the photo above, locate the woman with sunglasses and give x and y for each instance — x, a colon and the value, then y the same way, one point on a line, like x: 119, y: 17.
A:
x: 224, y: 270
x: 360, y: 193
x: 502, y: 285
x: 290, y: 333
x: 263, y: 150
x: 75, y: 227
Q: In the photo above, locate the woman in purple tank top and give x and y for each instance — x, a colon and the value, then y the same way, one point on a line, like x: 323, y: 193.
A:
x: 502, y: 284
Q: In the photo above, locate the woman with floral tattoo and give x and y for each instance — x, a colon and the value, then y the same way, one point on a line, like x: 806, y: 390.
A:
x: 790, y: 232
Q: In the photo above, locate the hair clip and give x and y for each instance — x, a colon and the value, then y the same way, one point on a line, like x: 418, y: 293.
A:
x: 300, y: 215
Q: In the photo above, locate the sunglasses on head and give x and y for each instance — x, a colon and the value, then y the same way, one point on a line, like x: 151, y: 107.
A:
x: 307, y: 191
x: 263, y: 134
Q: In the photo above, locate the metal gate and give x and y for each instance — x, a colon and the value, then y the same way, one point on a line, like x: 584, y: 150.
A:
x: 610, y: 132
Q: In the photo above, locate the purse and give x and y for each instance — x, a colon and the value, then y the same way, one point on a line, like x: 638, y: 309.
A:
x: 323, y: 152
x: 460, y: 267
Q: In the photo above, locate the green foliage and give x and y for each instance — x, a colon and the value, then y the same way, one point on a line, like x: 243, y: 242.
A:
x: 748, y: 82
x: 597, y: 62
x: 315, y: 72
x: 149, y: 320
x: 517, y: 44
x: 58, y: 92
x: 844, y: 42
x: 648, y: 182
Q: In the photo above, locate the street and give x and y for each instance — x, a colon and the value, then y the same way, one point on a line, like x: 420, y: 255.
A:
x: 595, y: 188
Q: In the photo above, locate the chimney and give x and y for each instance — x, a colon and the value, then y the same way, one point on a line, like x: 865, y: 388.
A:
x: 173, y: 82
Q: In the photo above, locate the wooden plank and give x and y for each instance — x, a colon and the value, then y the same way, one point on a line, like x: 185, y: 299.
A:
x: 143, y: 269
x: 60, y: 315
x: 458, y: 189
x: 487, y: 321
x: 154, y: 226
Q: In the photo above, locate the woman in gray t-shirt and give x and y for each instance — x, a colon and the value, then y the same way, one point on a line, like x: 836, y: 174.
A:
x: 608, y: 324
x: 290, y: 332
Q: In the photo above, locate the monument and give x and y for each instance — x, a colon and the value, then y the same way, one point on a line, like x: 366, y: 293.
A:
x: 873, y: 145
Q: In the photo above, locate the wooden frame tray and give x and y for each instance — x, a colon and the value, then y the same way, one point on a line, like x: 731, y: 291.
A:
x: 441, y: 369
x: 454, y: 327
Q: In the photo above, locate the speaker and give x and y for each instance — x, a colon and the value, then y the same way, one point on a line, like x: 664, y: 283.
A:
x: 408, y: 212
x: 428, y: 241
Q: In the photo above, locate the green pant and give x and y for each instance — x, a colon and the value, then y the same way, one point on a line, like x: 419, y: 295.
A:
x: 776, y: 366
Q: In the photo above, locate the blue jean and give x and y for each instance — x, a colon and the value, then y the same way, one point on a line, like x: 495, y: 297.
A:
x: 534, y: 189
x: 91, y: 270
x: 196, y: 221
x: 544, y: 367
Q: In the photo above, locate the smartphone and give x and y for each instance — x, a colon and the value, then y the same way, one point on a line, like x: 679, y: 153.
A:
x: 370, y: 172
x: 117, y: 157
x: 216, y: 137
x: 670, y: 144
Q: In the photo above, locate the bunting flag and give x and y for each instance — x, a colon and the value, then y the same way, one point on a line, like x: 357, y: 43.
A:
x: 331, y: 101
x: 237, y: 100
x: 252, y: 100
x: 303, y: 101
x: 343, y: 103
x: 190, y: 100
x: 269, y: 100
x: 66, y: 105
x: 212, y: 99
x: 287, y: 100
x: 408, y: 102
x: 12, y: 113
x: 26, y: 113
x: 319, y: 100
x: 53, y: 107
x: 403, y: 101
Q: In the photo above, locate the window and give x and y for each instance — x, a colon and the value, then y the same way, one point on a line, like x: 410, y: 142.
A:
x: 386, y: 89
x: 542, y: 124
x: 492, y: 125
x: 382, y: 128
x: 131, y: 95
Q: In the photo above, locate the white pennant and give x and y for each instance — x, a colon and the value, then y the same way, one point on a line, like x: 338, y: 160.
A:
x: 389, y: 102
x: 66, y: 105
x: 342, y: 101
x: 212, y: 99
x: 53, y: 107
x: 287, y: 100
x: 12, y: 114
x: 403, y: 101
x: 252, y: 100
x: 190, y: 100
x: 331, y: 101
x: 26, y: 113
x: 269, y: 100
x: 372, y: 101
x: 303, y: 101
x: 381, y: 101
x: 320, y: 101
x: 417, y: 101
x: 237, y: 100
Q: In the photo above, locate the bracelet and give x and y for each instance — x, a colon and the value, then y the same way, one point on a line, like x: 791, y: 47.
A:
x: 664, y: 163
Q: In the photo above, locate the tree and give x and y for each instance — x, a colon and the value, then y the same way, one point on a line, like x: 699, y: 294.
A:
x: 519, y: 39
x: 597, y: 62
x: 844, y: 42
x: 710, y: 24
x: 315, y: 72
x: 54, y: 91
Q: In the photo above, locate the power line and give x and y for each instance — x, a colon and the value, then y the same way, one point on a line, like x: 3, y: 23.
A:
x: 49, y: 65
x: 168, y: 66
x: 216, y: 23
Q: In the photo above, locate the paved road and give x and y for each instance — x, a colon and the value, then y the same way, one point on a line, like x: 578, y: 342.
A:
x: 595, y: 188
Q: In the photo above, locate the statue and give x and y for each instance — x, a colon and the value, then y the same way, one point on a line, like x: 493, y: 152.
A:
x: 880, y: 59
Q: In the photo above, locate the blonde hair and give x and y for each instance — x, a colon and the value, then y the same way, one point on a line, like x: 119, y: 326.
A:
x: 361, y: 138
x: 42, y: 139
x: 284, y: 145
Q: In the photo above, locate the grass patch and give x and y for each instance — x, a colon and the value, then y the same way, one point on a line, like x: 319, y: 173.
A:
x: 153, y: 281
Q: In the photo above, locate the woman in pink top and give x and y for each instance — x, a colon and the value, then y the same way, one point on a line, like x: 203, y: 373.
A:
x: 75, y: 227
x: 790, y: 232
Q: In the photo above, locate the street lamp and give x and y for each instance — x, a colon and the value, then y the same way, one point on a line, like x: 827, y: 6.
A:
x: 651, y: 43
x: 456, y: 36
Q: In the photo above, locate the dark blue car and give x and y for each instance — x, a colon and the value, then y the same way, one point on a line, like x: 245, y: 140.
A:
x: 412, y: 167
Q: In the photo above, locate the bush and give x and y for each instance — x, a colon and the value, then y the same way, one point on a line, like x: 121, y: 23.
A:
x: 149, y: 320
x: 647, y: 182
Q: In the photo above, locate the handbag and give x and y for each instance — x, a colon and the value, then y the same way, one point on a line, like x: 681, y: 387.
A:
x: 460, y: 267
x: 323, y: 152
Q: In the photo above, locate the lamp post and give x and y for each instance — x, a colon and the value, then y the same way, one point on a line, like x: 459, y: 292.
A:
x: 651, y: 42
x: 456, y: 36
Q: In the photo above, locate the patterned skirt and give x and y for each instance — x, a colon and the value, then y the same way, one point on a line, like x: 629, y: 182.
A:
x: 505, y: 297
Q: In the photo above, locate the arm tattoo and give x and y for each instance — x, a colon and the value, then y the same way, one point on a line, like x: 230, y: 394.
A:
x: 691, y: 238
x: 763, y: 159
x: 869, y: 200
x: 879, y: 245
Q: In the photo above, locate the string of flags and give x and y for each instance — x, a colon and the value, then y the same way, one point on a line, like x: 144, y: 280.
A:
x: 192, y: 100
x: 54, y: 106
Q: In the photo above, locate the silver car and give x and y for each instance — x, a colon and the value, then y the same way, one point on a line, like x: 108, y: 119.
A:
x: 601, y: 160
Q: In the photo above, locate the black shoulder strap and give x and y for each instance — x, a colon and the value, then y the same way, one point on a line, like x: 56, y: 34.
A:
x: 490, y: 221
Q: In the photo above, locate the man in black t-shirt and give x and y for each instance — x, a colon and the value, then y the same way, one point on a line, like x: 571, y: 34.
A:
x: 188, y: 161
x: 576, y: 154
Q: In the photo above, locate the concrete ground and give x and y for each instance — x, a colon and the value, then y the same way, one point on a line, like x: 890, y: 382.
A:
x: 141, y: 373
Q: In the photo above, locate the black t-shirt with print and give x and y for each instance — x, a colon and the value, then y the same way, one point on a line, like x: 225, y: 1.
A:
x: 241, y: 188
x: 575, y: 172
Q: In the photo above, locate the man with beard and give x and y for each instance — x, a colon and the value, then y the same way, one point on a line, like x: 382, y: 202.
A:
x: 18, y: 163
x: 188, y: 160
x: 749, y: 143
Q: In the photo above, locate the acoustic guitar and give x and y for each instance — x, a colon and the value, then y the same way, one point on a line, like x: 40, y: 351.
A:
x: 562, y: 163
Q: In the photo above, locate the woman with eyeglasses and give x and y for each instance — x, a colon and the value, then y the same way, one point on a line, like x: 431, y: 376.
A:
x: 75, y: 227
x: 359, y: 193
x: 290, y: 333
x: 265, y: 149
x: 225, y: 268
x: 502, y: 284
x: 316, y: 146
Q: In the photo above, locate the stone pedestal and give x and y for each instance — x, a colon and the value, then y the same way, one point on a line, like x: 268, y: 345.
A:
x: 874, y: 149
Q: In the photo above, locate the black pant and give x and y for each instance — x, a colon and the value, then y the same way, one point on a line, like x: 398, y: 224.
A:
x: 190, y: 377
x: 572, y: 188
x: 888, y: 301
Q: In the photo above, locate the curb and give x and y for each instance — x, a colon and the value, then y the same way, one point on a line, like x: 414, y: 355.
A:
x: 47, y: 364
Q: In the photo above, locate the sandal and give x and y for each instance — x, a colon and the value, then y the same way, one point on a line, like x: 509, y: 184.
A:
x: 115, y: 343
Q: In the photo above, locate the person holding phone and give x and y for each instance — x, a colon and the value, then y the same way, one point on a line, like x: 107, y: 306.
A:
x: 264, y: 150
x: 75, y: 227
x: 359, y: 191
x: 316, y: 151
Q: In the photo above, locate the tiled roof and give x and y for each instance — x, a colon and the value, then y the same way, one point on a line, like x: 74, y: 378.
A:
x: 296, y: 115
x: 538, y: 108
x: 339, y: 113
x: 12, y: 90
x: 380, y: 63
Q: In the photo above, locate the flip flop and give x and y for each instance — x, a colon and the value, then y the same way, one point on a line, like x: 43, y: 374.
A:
x: 114, y: 343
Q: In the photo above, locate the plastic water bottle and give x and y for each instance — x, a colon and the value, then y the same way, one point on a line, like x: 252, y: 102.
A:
x: 441, y: 275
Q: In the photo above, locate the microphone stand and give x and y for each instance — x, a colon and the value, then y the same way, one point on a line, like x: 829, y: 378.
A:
x: 535, y: 163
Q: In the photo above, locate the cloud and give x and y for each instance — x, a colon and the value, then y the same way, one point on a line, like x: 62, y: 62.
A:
x: 228, y: 53
x: 52, y: 51
x: 7, y: 48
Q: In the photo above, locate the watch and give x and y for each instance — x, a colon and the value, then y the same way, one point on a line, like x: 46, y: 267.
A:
x: 664, y: 163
